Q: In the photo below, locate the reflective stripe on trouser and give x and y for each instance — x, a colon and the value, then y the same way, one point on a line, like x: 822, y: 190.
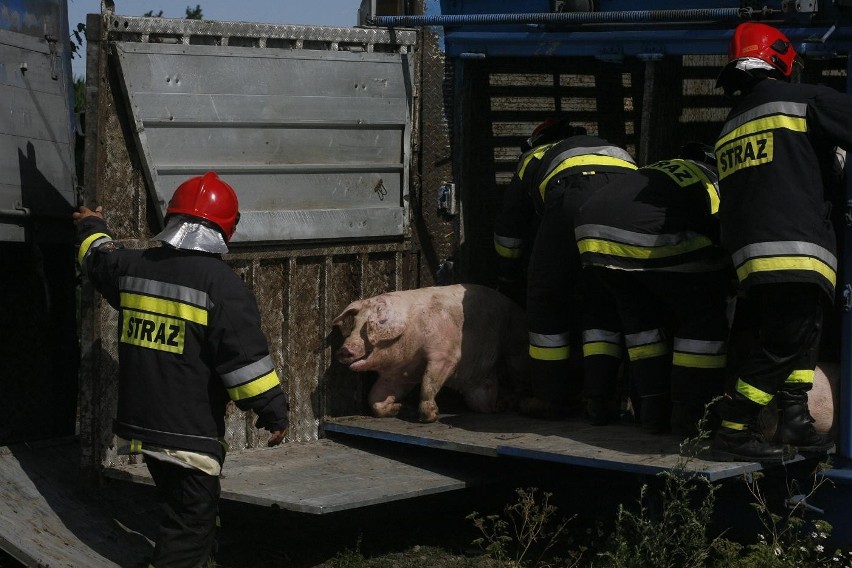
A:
x: 602, y: 351
x: 650, y: 361
x: 549, y: 365
x: 699, y: 367
x: 555, y: 303
x: 789, y: 329
x: 603, y: 342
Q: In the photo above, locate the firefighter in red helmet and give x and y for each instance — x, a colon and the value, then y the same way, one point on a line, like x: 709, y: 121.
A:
x: 776, y: 156
x: 189, y: 341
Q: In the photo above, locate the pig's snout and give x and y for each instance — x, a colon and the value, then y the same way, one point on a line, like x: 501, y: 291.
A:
x: 345, y: 355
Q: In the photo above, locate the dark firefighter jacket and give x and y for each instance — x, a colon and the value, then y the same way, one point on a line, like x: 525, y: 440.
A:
x: 524, y: 198
x: 189, y: 338
x: 660, y: 217
x: 775, y: 156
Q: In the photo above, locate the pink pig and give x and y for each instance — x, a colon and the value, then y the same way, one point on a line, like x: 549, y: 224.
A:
x: 463, y: 336
x: 823, y: 401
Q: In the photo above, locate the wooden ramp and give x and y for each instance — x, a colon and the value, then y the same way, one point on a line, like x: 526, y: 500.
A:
x: 617, y: 447
x: 325, y: 476
x: 47, y: 518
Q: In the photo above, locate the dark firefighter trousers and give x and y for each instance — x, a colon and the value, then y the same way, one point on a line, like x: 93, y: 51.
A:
x: 676, y: 331
x: 187, y: 532
x: 786, y: 349
x: 564, y: 300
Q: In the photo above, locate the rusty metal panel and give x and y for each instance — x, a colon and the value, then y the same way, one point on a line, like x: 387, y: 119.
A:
x: 437, y: 235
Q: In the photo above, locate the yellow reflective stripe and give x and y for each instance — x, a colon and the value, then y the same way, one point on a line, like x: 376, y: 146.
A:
x: 601, y: 348
x: 733, y: 425
x: 610, y: 248
x: 255, y: 387
x: 86, y: 244
x: 586, y: 160
x: 135, y: 447
x: 164, y: 307
x: 507, y: 252
x: 550, y: 353
x: 536, y: 153
x: 754, y: 394
x: 786, y: 263
x: 647, y: 351
x: 801, y: 377
x: 761, y: 124
x: 699, y: 361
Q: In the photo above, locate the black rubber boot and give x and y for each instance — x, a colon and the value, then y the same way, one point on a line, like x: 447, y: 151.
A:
x: 796, y: 425
x: 601, y: 411
x: 655, y: 413
x: 747, y: 446
x: 685, y: 418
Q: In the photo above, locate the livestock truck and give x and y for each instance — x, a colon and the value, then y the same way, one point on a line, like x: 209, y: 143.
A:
x: 366, y: 159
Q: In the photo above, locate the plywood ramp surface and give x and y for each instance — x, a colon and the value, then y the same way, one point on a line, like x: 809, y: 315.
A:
x: 619, y: 447
x: 325, y: 476
x: 48, y: 519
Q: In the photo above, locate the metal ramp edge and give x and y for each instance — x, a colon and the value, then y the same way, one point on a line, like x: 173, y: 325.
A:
x: 620, y: 448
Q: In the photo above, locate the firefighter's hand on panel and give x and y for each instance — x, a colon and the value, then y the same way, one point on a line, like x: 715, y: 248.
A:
x: 276, y: 437
x: 84, y: 212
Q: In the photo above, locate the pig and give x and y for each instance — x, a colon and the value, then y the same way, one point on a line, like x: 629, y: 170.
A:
x: 822, y: 402
x: 467, y: 337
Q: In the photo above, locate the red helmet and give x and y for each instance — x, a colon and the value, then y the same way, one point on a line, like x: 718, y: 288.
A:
x: 763, y: 42
x: 553, y: 129
x: 210, y: 198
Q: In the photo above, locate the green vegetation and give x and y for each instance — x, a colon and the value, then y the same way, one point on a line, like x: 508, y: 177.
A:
x: 666, y: 528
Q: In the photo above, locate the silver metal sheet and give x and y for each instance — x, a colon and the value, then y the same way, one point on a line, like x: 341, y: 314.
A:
x: 35, y: 133
x: 316, y: 139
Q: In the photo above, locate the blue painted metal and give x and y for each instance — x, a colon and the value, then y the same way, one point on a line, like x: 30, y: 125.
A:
x: 557, y: 18
x: 622, y: 467
x: 845, y: 432
x: 406, y: 439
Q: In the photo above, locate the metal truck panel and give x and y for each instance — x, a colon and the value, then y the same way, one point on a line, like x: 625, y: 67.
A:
x: 314, y: 139
x: 37, y: 172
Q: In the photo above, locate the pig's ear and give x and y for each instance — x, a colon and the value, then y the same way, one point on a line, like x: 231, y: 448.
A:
x: 348, y: 311
x: 385, y: 323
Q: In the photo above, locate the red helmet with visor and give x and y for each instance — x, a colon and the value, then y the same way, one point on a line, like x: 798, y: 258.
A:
x: 210, y: 198
x: 760, y: 41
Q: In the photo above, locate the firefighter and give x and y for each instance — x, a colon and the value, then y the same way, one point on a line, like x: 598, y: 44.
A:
x: 189, y: 340
x: 653, y: 240
x: 517, y: 222
x: 776, y: 155
x: 557, y: 178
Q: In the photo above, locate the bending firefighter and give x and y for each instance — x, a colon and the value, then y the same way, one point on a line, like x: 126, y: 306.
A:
x: 776, y: 154
x: 652, y: 239
x: 189, y: 340
x: 563, y: 306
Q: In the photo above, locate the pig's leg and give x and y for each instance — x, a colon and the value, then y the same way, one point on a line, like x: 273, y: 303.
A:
x: 386, y: 396
x: 436, y: 374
